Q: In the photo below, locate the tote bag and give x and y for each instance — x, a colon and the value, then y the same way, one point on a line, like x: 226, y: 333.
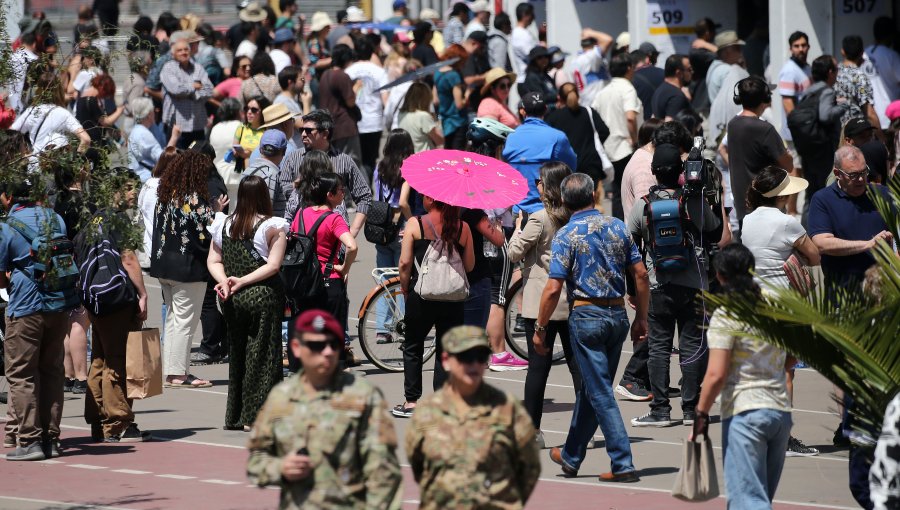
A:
x: 697, y: 480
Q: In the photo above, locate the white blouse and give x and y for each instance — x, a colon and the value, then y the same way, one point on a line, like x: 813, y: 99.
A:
x: 259, y: 237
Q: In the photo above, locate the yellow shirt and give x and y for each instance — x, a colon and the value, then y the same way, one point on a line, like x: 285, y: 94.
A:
x: 249, y: 137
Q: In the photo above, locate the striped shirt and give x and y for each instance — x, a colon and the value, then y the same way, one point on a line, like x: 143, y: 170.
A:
x: 182, y: 104
x: 343, y: 165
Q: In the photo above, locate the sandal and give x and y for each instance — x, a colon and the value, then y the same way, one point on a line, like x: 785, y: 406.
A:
x: 190, y: 382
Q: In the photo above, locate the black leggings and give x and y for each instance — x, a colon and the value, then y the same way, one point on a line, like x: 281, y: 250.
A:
x: 539, y: 367
x: 334, y: 301
x: 419, y: 318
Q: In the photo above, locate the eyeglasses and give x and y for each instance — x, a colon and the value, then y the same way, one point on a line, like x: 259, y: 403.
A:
x: 251, y: 109
x: 502, y: 85
x: 477, y: 355
x: 855, y: 176
x: 335, y: 344
x: 308, y: 131
x: 245, y: 66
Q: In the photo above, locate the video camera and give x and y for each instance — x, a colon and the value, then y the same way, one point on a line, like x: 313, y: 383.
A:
x: 701, y: 176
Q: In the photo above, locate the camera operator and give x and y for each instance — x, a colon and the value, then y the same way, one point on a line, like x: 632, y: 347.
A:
x: 675, y: 228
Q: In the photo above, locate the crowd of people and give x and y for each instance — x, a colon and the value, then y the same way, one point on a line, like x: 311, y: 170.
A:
x: 240, y: 147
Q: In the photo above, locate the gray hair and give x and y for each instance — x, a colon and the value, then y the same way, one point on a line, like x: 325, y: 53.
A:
x: 141, y: 107
x: 577, y: 191
x: 847, y: 153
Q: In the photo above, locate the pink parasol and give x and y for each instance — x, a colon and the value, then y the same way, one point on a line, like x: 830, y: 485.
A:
x: 464, y: 179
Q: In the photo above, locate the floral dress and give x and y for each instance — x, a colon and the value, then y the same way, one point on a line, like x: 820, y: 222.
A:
x: 180, y: 239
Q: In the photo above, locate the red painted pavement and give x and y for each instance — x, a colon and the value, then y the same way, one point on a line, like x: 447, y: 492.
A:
x: 66, y: 482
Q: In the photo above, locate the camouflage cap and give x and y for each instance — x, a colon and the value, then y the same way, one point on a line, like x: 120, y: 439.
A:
x: 462, y: 338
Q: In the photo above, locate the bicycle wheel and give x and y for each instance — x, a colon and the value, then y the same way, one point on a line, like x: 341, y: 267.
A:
x: 515, y: 338
x: 385, y: 306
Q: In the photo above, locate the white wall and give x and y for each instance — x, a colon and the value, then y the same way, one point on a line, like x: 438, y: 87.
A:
x: 566, y: 18
x: 14, y: 12
x: 646, y: 22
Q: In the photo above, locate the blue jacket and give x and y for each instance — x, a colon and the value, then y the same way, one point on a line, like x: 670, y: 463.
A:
x: 530, y: 146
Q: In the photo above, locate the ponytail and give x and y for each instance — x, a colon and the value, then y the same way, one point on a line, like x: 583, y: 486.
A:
x: 568, y: 95
x: 734, y: 264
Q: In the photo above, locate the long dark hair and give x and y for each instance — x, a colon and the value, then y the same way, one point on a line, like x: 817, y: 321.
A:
x: 734, y: 264
x: 450, y: 224
x: 768, y: 179
x: 165, y: 159
x: 185, y: 176
x: 322, y: 185
x: 314, y: 163
x: 552, y: 174
x: 397, y: 148
x: 253, y: 199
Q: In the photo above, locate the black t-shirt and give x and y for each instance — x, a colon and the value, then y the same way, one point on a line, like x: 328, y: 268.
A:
x: 89, y: 111
x: 668, y: 100
x: 577, y: 128
x: 646, y: 80
x: 482, y: 267
x: 70, y: 206
x: 425, y: 54
x: 753, y: 144
x: 475, y: 65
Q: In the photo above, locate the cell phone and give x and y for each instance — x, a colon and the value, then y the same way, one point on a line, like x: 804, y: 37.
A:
x: 303, y: 451
x: 237, y: 147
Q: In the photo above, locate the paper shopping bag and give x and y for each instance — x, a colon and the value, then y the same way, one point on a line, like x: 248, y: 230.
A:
x: 143, y: 364
x: 697, y: 480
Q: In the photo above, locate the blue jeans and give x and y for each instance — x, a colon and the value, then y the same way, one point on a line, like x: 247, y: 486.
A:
x: 753, y: 445
x: 597, y: 334
x: 386, y: 256
x: 478, y: 304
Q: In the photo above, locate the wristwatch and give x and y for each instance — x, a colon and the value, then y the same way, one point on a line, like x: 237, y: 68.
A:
x: 538, y: 327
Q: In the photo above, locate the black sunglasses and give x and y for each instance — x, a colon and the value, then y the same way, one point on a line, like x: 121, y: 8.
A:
x: 477, y: 355
x: 251, y: 109
x: 308, y: 131
x: 335, y: 344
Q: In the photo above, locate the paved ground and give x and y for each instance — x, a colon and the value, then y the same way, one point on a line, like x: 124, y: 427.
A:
x: 197, y: 465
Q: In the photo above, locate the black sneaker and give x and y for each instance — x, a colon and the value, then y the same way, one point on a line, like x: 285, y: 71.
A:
x: 131, y: 435
x: 652, y: 420
x: 402, y: 411
x: 52, y: 449
x: 689, y: 418
x: 79, y: 388
x: 200, y: 358
x: 68, y: 385
x: 840, y: 440
x: 34, y: 451
x: 674, y: 392
x: 796, y: 448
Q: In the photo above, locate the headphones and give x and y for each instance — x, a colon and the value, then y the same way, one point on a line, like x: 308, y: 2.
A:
x: 736, y: 96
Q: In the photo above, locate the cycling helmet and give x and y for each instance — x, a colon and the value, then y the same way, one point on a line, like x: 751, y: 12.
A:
x: 486, y: 130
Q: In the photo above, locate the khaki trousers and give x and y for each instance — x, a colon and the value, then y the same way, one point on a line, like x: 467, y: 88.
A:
x: 34, y: 370
x: 106, y: 403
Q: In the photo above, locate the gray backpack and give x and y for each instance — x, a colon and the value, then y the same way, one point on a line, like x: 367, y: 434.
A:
x: 442, y: 276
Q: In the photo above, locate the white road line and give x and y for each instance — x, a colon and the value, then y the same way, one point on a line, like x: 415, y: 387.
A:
x: 132, y: 472
x: 64, y: 504
x: 50, y: 461
x: 167, y: 440
x: 86, y: 466
x: 177, y: 477
x: 221, y: 482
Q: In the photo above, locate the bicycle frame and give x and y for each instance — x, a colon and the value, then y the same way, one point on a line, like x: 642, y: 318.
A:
x: 383, y: 276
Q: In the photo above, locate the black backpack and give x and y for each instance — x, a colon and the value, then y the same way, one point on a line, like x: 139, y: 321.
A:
x: 808, y: 133
x: 104, y: 286
x: 301, y: 271
x: 380, y: 227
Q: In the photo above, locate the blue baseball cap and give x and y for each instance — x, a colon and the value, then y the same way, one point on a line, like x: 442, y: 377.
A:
x: 272, y: 142
x: 283, y: 35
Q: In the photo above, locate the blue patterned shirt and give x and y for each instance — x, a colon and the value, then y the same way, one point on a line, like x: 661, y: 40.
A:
x: 591, y: 253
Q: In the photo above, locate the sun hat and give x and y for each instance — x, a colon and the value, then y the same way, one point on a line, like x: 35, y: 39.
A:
x: 727, y: 38
x: 252, y: 13
x: 319, y: 21
x: 493, y: 75
x: 624, y: 39
x: 356, y: 15
x: 276, y: 114
x: 789, y: 186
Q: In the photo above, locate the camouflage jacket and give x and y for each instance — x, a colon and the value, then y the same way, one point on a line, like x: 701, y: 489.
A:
x: 350, y: 438
x: 486, y: 458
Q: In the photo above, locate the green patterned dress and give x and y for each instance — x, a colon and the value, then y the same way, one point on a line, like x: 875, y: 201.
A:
x: 253, y: 316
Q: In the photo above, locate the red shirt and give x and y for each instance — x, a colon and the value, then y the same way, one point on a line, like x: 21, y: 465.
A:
x: 327, y: 237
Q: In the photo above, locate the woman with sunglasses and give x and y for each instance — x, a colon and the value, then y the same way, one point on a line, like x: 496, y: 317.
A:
x: 248, y: 134
x: 247, y: 249
x: 231, y: 87
x: 495, y: 97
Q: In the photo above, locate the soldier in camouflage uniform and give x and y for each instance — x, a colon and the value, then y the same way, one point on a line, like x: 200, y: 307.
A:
x: 471, y: 445
x: 325, y: 436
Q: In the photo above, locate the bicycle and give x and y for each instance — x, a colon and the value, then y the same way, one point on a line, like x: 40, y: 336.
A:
x: 382, y: 338
x: 516, y: 338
